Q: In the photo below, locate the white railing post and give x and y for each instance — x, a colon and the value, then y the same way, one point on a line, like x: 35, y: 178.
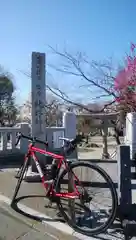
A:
x: 25, y: 129
x: 69, y: 123
x: 130, y: 138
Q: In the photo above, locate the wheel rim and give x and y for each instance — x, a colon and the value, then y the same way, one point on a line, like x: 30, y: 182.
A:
x: 90, y: 219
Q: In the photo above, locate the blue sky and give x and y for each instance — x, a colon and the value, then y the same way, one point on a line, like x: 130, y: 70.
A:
x: 101, y: 28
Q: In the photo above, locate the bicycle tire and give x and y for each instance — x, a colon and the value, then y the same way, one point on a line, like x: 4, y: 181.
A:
x: 113, y: 211
x: 22, y: 171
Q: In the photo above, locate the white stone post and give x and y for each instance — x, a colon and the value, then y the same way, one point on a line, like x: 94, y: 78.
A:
x: 69, y: 122
x: 130, y: 138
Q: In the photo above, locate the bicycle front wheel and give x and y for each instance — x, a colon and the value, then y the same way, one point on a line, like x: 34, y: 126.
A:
x: 94, y: 210
x: 20, y: 178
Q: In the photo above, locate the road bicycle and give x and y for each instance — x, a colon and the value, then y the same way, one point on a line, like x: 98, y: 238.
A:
x: 65, y: 173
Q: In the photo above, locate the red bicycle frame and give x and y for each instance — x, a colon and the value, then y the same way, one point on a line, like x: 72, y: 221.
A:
x: 31, y: 152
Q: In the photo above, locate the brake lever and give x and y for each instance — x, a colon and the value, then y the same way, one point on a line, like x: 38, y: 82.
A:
x: 17, y: 141
x: 19, y: 135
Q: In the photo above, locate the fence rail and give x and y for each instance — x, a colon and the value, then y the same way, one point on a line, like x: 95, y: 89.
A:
x: 8, y: 138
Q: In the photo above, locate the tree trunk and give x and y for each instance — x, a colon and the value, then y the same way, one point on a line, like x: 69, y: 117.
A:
x: 117, y: 136
x: 105, y: 153
x: 87, y: 139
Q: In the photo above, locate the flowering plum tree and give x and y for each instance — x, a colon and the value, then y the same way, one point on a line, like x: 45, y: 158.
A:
x: 125, y: 82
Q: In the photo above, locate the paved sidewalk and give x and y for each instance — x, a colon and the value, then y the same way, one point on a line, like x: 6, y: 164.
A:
x: 16, y: 227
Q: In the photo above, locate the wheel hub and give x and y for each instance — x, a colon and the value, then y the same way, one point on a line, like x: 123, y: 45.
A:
x: 85, y: 197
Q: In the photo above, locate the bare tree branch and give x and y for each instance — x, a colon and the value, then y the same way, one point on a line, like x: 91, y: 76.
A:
x: 62, y: 95
x: 79, y: 71
x: 81, y: 106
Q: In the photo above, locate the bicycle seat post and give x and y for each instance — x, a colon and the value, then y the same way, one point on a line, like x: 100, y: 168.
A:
x: 33, y: 141
x: 66, y: 147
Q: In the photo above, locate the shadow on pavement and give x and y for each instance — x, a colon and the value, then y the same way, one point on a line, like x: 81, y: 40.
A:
x: 33, y: 217
x: 115, y: 231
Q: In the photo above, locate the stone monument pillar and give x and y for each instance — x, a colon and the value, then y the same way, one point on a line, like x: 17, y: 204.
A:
x: 38, y: 95
x: 38, y: 86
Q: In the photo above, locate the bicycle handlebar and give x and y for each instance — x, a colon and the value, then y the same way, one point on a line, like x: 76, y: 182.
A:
x: 74, y: 142
x: 20, y: 135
